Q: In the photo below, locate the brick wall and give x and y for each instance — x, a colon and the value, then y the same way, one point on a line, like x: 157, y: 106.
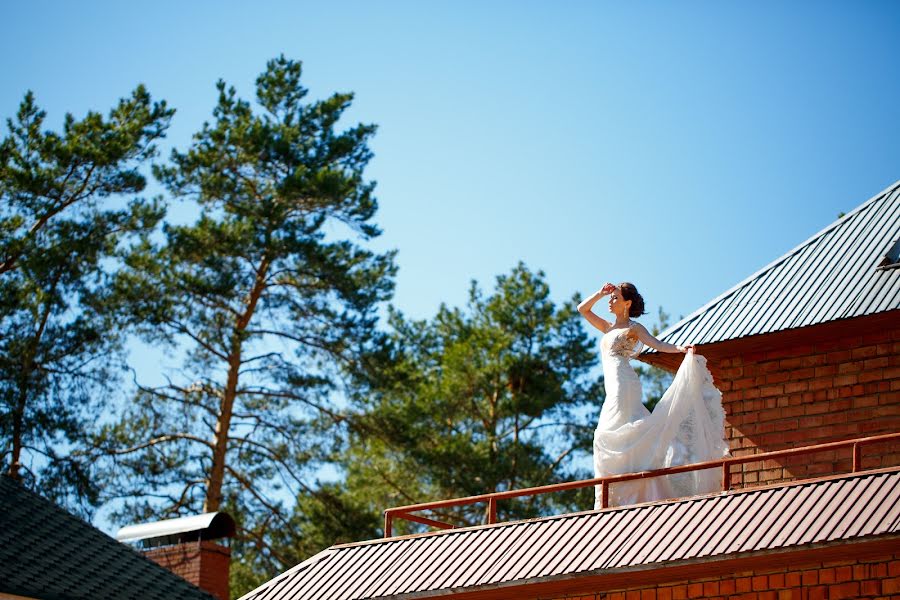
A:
x: 205, y: 564
x: 867, y: 578
x: 812, y: 393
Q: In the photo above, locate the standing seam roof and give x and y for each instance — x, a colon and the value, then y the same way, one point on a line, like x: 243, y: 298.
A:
x: 832, y: 275
x: 726, y: 525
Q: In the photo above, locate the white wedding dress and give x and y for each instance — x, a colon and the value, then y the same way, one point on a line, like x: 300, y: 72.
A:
x: 686, y: 426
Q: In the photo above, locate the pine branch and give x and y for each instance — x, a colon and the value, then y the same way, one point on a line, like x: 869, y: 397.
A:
x: 157, y: 441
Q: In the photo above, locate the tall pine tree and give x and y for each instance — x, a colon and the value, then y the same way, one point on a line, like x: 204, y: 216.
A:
x: 270, y: 294
x: 64, y: 221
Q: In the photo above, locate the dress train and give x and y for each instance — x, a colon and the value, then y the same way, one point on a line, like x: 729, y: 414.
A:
x: 686, y: 426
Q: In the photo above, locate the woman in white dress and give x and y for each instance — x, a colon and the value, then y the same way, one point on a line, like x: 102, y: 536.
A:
x: 686, y: 426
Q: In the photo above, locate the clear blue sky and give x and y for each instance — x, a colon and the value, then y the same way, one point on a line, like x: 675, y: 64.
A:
x: 679, y: 145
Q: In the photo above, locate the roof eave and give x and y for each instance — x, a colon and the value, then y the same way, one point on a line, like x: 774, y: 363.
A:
x: 645, y: 575
x: 781, y: 341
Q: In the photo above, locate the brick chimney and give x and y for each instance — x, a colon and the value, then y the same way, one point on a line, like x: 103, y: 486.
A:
x: 185, y: 546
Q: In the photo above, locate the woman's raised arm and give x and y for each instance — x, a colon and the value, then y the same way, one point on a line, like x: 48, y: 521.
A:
x: 649, y: 340
x: 585, y: 308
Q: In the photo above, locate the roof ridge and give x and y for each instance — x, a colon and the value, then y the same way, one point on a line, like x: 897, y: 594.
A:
x: 840, y: 221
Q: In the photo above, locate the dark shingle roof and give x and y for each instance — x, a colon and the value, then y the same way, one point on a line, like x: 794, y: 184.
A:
x: 49, y: 554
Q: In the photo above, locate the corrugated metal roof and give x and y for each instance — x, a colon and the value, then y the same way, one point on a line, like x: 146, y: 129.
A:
x: 836, y: 510
x: 832, y: 275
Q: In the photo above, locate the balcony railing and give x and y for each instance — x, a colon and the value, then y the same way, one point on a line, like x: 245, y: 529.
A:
x: 725, y: 464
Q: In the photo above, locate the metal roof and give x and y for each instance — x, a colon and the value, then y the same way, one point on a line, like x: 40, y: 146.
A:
x: 48, y: 553
x: 209, y: 526
x: 833, y: 275
x: 725, y: 525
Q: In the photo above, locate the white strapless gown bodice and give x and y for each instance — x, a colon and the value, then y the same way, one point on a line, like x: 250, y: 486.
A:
x: 686, y: 426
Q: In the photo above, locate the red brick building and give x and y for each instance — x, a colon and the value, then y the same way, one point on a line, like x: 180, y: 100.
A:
x: 806, y: 351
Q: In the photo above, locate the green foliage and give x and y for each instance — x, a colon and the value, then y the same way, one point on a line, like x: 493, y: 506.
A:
x: 484, y: 399
x: 62, y: 225
x: 270, y: 300
x: 271, y: 296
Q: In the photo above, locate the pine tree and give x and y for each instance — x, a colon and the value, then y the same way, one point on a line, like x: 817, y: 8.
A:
x: 63, y: 224
x: 271, y: 297
x: 492, y: 397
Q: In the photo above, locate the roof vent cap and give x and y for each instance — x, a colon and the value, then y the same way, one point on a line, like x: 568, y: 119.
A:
x: 208, y: 526
x: 891, y: 258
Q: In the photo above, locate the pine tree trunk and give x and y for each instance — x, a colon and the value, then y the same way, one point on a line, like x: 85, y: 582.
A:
x: 223, y: 425
x: 226, y: 409
x: 27, y: 369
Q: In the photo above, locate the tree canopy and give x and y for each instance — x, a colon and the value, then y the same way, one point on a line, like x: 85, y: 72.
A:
x: 64, y: 223
x: 291, y: 406
x: 271, y: 293
x: 492, y: 397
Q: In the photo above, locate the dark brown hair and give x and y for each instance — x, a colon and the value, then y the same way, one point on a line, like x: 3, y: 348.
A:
x: 629, y: 292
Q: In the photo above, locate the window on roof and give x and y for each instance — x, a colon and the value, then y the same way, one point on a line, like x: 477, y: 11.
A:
x: 891, y: 260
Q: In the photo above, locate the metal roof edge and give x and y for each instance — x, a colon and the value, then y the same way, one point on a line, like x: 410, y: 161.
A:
x: 298, y: 567
x: 758, y: 336
x: 395, y: 568
x: 712, y: 560
x: 673, y: 328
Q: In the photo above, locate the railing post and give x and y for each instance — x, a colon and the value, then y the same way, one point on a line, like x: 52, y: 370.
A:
x: 726, y: 476
x: 604, y: 494
x: 388, y: 522
x: 492, y: 510
x: 857, y: 457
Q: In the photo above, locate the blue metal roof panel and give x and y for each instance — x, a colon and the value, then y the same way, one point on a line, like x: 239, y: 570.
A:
x: 852, y: 266
x: 832, y: 275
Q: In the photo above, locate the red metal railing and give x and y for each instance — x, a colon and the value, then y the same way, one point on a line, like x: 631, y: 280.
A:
x: 405, y: 512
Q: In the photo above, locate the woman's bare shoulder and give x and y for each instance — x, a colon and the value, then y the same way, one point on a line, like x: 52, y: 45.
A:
x: 636, y: 330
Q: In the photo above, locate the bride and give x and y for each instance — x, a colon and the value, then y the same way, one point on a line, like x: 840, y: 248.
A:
x: 686, y: 426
